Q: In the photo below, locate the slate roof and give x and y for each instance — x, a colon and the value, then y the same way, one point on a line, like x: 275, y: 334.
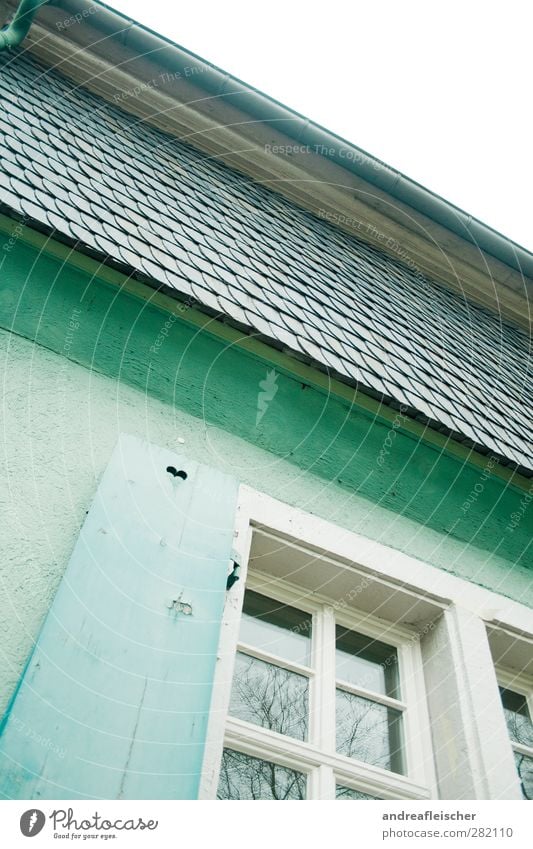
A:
x: 95, y: 175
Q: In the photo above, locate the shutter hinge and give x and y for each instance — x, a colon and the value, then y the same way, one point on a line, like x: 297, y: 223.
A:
x: 234, y: 575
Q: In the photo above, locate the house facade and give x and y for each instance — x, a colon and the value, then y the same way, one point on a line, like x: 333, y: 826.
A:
x: 266, y: 472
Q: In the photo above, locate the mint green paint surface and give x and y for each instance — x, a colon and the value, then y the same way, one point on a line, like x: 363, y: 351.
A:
x: 115, y: 363
x: 120, y: 680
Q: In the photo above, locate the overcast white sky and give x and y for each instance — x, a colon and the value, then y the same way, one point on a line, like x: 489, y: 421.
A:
x: 439, y: 90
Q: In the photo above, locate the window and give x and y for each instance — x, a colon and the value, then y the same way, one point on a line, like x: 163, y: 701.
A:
x: 368, y: 713
x: 517, y: 710
x: 318, y: 702
x: 271, y: 678
x: 349, y: 793
x: 245, y: 777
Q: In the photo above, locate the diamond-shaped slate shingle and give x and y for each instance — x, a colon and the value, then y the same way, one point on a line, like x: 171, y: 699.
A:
x: 83, y: 168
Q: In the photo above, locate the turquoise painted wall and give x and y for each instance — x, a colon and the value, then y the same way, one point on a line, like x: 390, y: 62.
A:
x: 104, y: 362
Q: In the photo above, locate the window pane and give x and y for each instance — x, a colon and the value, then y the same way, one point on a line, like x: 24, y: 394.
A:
x: 369, y: 732
x: 269, y: 696
x: 517, y: 717
x: 524, y: 766
x: 342, y: 792
x: 276, y: 628
x: 244, y: 777
x: 367, y: 663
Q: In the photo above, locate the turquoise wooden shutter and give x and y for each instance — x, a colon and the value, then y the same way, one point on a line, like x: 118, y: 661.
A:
x: 115, y: 698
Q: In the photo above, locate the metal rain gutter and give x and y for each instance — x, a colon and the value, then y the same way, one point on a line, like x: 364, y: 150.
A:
x: 15, y: 32
x: 146, y: 43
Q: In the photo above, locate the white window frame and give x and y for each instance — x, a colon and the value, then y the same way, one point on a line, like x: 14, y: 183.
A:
x: 438, y: 589
x: 320, y: 750
x: 318, y: 758
x: 522, y: 684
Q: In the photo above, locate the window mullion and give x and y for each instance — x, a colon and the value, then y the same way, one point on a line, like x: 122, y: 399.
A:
x: 529, y: 703
x: 274, y: 659
x: 321, y: 783
x: 371, y: 696
x: 323, y: 699
x: 522, y: 749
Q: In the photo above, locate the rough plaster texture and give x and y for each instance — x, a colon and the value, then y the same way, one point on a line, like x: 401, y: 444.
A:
x: 67, y: 304
x: 60, y: 423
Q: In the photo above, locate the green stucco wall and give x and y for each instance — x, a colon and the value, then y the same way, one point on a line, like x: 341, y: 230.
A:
x: 86, y: 361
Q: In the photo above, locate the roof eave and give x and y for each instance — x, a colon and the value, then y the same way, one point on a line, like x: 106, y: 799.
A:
x: 218, y: 113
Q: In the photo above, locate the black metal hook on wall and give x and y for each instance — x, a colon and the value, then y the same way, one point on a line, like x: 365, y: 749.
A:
x: 234, y: 576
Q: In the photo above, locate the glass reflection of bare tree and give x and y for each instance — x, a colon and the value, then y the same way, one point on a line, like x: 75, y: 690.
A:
x: 524, y: 766
x: 245, y: 777
x: 270, y: 696
x: 520, y: 731
x: 368, y: 731
x: 346, y: 793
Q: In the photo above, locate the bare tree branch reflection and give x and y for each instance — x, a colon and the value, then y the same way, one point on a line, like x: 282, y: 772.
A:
x: 524, y: 766
x: 368, y: 731
x: 245, y: 777
x: 520, y: 729
x: 270, y: 696
x: 342, y: 792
